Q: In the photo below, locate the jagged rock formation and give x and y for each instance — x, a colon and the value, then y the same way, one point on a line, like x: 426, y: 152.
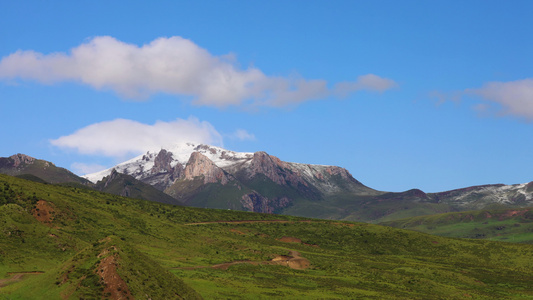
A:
x: 201, y: 166
x: 274, y: 169
x: 21, y: 160
x: 127, y: 186
x: 257, y: 203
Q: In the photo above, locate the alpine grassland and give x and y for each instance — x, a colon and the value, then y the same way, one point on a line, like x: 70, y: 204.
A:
x: 69, y: 242
x: 510, y: 225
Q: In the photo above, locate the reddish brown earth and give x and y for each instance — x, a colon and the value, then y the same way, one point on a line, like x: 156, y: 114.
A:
x: 43, y: 212
x: 512, y: 213
x: 288, y: 239
x: 115, y: 287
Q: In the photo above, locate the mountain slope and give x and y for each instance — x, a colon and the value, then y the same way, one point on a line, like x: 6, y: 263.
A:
x: 511, y: 225
x: 127, y: 186
x: 20, y: 164
x: 77, y: 237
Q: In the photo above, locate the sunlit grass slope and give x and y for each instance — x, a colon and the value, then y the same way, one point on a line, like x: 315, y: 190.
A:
x: 78, y: 237
x: 511, y: 225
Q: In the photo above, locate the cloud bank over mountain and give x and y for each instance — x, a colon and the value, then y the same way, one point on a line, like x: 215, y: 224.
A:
x: 120, y: 138
x: 174, y: 66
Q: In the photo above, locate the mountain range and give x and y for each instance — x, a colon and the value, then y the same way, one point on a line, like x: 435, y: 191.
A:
x: 212, y: 177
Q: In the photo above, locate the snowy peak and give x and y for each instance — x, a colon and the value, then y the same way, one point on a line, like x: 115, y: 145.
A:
x: 171, y: 162
x: 163, y: 167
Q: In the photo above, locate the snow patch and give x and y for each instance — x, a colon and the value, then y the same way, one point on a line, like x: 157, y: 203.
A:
x: 140, y: 166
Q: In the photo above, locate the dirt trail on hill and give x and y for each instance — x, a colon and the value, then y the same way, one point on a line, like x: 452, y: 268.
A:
x: 16, y: 277
x: 293, y: 261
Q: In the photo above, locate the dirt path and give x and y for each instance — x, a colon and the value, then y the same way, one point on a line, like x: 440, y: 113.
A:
x: 16, y: 277
x: 293, y: 261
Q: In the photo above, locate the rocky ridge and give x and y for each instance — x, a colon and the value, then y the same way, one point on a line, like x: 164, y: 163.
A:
x: 245, y: 174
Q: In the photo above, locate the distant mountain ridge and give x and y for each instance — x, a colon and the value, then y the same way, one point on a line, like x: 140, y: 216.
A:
x: 20, y: 164
x: 38, y: 170
x: 207, y: 176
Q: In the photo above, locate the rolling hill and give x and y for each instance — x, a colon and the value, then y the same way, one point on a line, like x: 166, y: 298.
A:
x: 511, y: 225
x: 67, y: 242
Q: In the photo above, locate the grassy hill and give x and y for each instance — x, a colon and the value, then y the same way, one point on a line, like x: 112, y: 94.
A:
x: 70, y: 243
x: 511, y: 225
x: 21, y: 164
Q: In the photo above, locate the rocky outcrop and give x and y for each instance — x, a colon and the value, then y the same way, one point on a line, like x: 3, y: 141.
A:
x: 338, y: 171
x: 199, y: 165
x: 127, y: 186
x: 162, y: 162
x: 21, y: 159
x: 16, y: 161
x: 163, y: 174
x: 109, y: 179
x: 276, y: 170
x: 24, y: 165
x: 255, y: 202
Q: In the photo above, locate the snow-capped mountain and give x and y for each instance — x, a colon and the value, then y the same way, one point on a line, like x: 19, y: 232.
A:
x: 241, y: 180
x: 478, y: 197
x: 161, y: 168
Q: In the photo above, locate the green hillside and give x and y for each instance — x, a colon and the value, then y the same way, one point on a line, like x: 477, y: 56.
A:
x: 61, y: 242
x: 511, y: 225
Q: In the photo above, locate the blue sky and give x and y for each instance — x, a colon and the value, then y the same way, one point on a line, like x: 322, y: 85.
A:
x: 435, y: 95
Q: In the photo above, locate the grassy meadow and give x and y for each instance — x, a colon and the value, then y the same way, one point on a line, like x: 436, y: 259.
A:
x: 61, y: 242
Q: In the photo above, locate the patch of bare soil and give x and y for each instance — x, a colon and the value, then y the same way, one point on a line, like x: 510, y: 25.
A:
x: 293, y: 261
x: 288, y: 239
x: 512, y: 213
x: 16, y: 277
x: 43, y: 212
x: 237, y: 231
x: 115, y: 287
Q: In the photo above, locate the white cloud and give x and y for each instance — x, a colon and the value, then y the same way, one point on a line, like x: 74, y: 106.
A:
x: 242, y: 135
x: 120, y: 138
x: 515, y: 97
x: 369, y: 82
x: 83, y: 168
x: 174, y: 66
